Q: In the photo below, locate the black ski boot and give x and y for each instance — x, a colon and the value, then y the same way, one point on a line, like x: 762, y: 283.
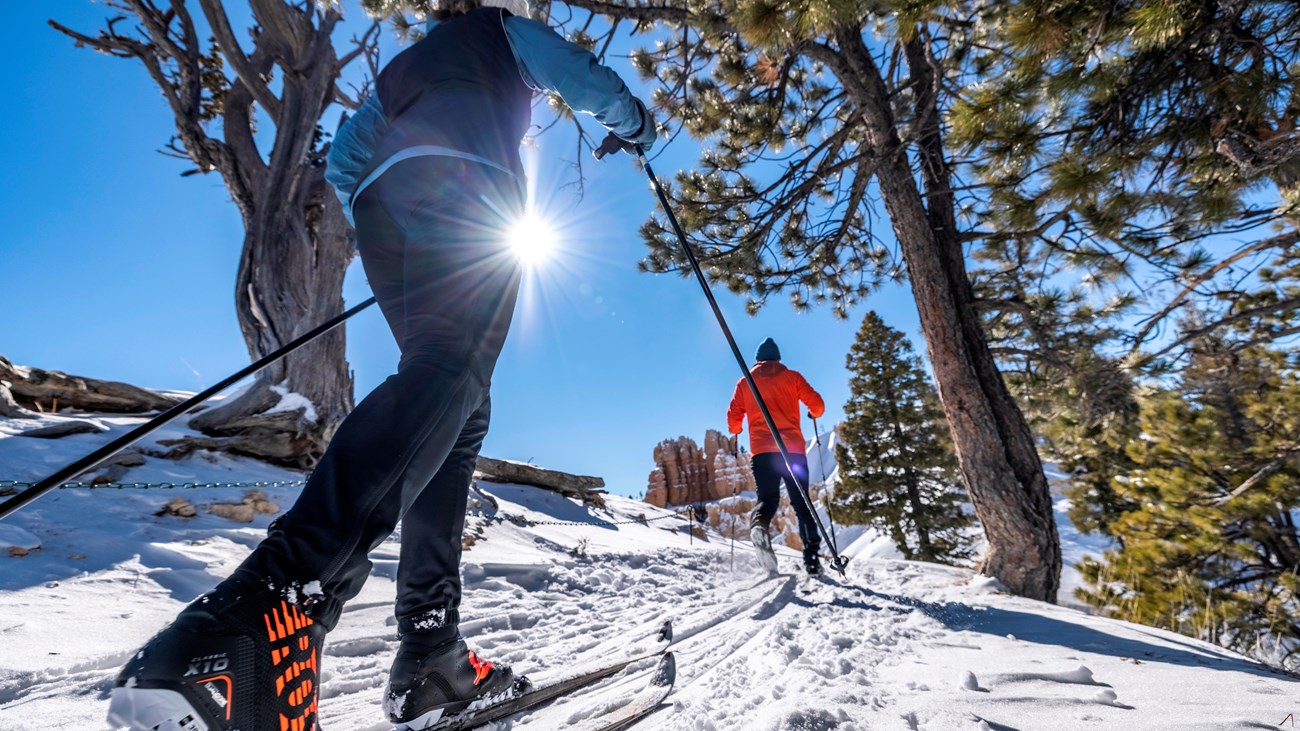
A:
x: 812, y: 564
x: 241, y: 658
x: 433, y: 680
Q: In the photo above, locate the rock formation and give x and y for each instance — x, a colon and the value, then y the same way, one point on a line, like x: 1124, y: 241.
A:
x: 719, y: 476
x: 685, y: 474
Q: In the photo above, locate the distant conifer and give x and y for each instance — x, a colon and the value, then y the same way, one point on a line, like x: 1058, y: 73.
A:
x: 897, y: 468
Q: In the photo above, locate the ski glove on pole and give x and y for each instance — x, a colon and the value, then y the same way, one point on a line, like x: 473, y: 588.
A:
x: 612, y: 144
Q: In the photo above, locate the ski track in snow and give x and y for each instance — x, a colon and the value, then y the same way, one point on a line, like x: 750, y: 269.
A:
x: 897, y: 645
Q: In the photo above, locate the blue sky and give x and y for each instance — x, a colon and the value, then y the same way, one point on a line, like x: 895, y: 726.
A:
x: 116, y: 267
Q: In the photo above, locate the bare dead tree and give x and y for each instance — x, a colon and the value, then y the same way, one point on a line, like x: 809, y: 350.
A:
x: 297, y: 243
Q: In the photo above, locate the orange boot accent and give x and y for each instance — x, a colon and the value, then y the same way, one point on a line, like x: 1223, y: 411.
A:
x: 481, y: 667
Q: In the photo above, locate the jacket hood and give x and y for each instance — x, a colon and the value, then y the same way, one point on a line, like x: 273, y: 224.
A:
x: 767, y: 368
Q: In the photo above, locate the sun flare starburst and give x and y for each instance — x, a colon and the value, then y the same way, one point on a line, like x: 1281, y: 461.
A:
x: 533, y: 238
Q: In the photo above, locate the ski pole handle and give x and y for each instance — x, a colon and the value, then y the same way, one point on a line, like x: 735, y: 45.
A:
x: 612, y: 144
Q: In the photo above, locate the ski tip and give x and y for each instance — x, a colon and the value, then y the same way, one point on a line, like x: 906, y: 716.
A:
x: 666, y: 631
x: 666, y: 673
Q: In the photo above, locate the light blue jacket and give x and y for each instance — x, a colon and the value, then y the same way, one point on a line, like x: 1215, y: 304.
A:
x: 547, y: 63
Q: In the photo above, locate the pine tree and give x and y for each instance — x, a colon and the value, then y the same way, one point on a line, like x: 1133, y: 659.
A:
x: 810, y: 114
x: 1121, y: 139
x: 897, y: 470
x: 1209, y: 542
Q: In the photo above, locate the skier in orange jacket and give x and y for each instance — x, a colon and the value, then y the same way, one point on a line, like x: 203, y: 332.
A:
x: 782, y: 390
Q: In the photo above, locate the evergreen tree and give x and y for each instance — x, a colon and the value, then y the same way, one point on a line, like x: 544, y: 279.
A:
x: 1209, y: 542
x: 811, y: 112
x: 1117, y: 140
x: 897, y: 470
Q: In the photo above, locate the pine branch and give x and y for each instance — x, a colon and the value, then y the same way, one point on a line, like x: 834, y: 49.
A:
x: 1282, y: 241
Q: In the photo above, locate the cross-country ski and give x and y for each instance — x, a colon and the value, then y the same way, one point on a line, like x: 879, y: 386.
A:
x: 530, y: 696
x: 641, y: 705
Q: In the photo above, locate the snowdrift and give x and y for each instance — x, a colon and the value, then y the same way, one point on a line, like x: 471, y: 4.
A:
x: 551, y: 583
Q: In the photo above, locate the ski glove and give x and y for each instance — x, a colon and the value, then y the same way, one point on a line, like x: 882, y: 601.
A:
x: 612, y: 144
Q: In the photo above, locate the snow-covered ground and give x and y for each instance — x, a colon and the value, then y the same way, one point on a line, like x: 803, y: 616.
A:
x: 895, y: 645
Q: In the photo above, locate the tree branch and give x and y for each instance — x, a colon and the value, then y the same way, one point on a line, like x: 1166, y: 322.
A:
x: 252, y: 78
x: 1264, y: 473
x: 1283, y: 240
x: 1289, y: 303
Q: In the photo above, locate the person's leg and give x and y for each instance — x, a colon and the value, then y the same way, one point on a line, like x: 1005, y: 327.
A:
x: 798, y: 481
x: 459, y: 288
x: 428, y: 574
x: 767, y: 482
x: 428, y: 598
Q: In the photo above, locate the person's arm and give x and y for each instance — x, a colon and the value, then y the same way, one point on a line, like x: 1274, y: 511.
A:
x: 811, y: 399
x: 736, y: 412
x: 352, y: 148
x: 550, y: 63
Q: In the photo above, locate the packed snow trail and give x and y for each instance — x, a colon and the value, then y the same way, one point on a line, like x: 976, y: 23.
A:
x: 896, y: 645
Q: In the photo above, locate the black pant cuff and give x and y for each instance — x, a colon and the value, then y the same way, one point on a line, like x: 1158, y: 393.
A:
x: 433, y: 621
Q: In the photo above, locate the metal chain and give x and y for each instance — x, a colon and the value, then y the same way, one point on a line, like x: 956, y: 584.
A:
x: 526, y: 522
x: 518, y: 520
x: 18, y: 484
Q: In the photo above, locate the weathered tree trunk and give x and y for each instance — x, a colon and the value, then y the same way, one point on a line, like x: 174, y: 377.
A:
x: 290, y: 279
x: 297, y: 244
x: 994, y: 446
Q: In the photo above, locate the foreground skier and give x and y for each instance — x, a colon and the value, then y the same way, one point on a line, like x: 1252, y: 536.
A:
x: 429, y: 171
x: 782, y: 390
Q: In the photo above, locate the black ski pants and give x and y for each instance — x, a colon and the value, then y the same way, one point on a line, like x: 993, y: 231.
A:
x: 431, y: 234
x: 769, y: 471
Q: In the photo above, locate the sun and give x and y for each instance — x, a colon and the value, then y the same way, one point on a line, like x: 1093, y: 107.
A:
x: 532, y: 238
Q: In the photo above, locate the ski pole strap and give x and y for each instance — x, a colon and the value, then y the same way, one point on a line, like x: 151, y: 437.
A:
x: 93, y: 459
x: 838, y: 562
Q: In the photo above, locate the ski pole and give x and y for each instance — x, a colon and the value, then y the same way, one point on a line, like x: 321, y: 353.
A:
x: 821, y: 467
x: 838, y: 562
x: 731, y: 530
x: 93, y: 459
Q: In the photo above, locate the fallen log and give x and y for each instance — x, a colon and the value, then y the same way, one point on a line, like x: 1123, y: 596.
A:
x: 522, y: 473
x: 42, y: 390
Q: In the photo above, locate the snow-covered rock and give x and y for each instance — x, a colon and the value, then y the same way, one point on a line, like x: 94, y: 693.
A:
x: 12, y: 537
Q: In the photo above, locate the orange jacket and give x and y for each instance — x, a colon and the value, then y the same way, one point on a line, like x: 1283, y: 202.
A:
x: 782, y: 390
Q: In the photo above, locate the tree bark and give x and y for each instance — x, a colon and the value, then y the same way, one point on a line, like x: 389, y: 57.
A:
x: 995, y: 449
x: 297, y: 244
